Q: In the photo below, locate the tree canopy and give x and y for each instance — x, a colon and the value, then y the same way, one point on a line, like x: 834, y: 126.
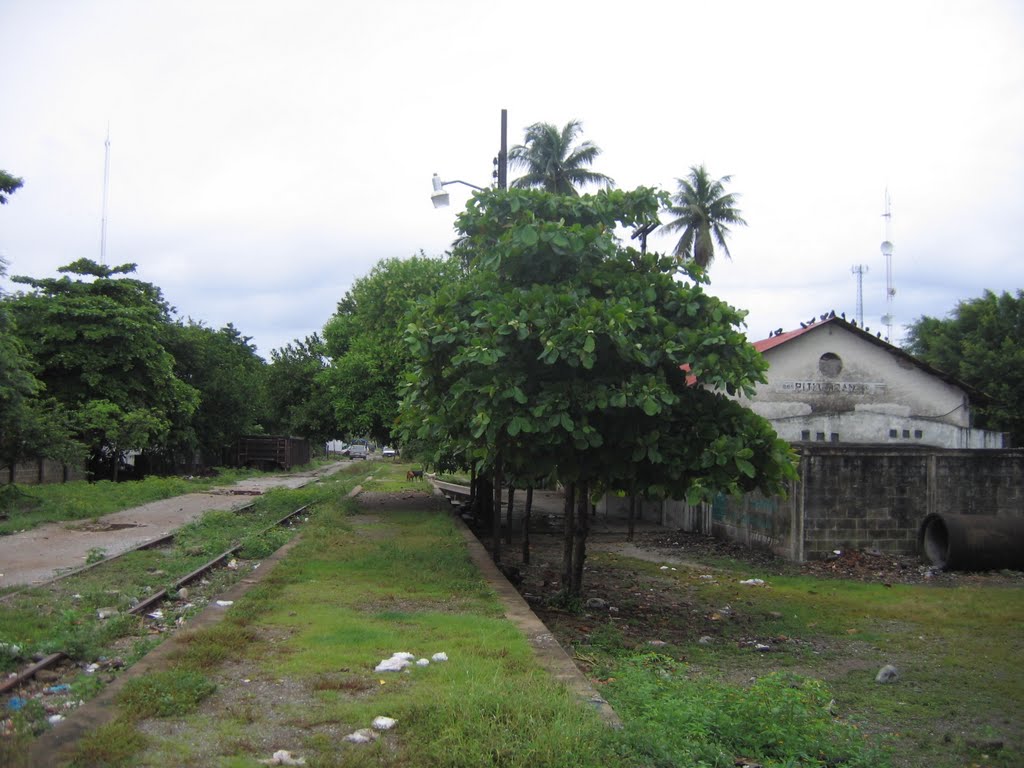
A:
x: 980, y: 344
x: 98, y: 344
x: 552, y: 162
x: 9, y: 184
x: 364, y: 342
x: 563, y: 350
x: 703, y: 210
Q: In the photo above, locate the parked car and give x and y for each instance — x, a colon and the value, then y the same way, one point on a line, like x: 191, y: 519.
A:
x: 388, y: 452
x: 358, y: 451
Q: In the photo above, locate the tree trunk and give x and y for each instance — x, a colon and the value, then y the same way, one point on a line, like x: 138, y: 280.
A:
x: 508, y: 514
x: 579, y: 543
x: 527, y: 508
x: 496, y: 511
x: 632, y: 514
x: 570, y: 510
x: 472, y: 485
x: 482, y: 500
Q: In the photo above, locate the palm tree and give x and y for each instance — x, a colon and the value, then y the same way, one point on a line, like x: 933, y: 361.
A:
x: 704, y: 210
x: 551, y: 161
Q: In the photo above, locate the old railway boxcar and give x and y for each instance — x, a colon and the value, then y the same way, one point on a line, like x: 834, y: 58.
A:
x: 271, y: 452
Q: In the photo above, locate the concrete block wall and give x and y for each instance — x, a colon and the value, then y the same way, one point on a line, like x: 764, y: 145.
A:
x: 863, y: 497
x: 39, y: 472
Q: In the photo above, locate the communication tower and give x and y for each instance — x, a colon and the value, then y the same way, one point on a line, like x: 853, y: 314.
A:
x: 106, y: 184
x: 890, y: 289
x: 859, y: 270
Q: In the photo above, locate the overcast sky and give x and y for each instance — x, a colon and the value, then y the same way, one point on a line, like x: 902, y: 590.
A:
x: 264, y: 155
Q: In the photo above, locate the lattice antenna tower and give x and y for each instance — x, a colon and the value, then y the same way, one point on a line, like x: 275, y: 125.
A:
x: 106, y: 186
x: 890, y: 289
x: 859, y: 270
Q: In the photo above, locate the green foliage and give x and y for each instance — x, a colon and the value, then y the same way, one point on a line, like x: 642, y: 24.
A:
x: 165, y: 693
x: 364, y: 341
x: 560, y: 348
x: 551, y: 161
x: 298, y: 399
x: 779, y: 720
x: 108, y: 746
x: 980, y: 344
x: 97, y: 344
x: 9, y: 184
x: 228, y: 374
x: 702, y: 210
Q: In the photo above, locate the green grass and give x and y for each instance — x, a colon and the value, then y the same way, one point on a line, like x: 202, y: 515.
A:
x: 26, y: 507
x: 351, y: 594
x: 957, y: 650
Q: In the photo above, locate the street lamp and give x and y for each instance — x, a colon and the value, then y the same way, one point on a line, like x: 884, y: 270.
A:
x: 440, y: 198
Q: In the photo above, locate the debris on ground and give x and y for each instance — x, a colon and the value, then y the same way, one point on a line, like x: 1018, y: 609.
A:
x: 284, y: 757
x: 382, y: 723
x: 362, y: 736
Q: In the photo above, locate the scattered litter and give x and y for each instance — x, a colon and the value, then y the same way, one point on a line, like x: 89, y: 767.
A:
x: 91, y: 668
x: 382, y: 723
x: 256, y: 566
x: 753, y: 582
x: 15, y: 703
x: 423, y: 663
x: 10, y: 649
x: 224, y: 603
x: 232, y: 563
x: 657, y: 643
x: 62, y: 688
x: 442, y: 656
x: 105, y: 613
x: 284, y: 757
x: 183, y: 593
x: 887, y: 674
x: 362, y: 736
x: 54, y: 719
x: 707, y: 577
x: 394, y: 664
x: 157, y: 614
x: 663, y: 568
x: 762, y: 647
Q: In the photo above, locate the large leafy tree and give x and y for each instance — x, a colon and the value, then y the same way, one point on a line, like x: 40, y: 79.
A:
x: 30, y: 425
x: 980, y: 343
x: 226, y: 371
x: 97, y: 343
x: 553, y: 162
x: 563, y: 351
x: 368, y: 358
x: 298, y: 399
x: 703, y: 211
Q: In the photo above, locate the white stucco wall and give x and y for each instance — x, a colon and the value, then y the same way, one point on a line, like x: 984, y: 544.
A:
x: 875, y: 396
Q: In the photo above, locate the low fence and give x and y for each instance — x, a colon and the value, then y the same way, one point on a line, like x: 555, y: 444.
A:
x: 40, y: 472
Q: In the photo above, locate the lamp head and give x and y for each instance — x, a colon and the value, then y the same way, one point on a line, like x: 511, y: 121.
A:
x: 438, y: 197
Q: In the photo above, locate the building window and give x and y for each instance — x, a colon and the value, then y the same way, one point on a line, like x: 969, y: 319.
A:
x: 820, y: 437
x: 906, y: 433
x: 893, y: 433
x: 830, y: 365
x: 834, y: 437
x: 918, y: 434
x: 805, y: 434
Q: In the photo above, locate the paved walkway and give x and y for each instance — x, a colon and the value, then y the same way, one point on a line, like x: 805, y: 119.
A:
x: 43, y: 553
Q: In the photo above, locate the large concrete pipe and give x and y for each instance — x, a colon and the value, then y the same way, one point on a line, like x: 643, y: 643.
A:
x: 972, y: 542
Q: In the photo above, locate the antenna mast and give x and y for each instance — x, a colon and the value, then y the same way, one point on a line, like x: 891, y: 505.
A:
x: 859, y: 270
x: 890, y: 289
x: 106, y: 184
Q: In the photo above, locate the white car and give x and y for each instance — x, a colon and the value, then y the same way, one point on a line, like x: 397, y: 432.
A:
x: 388, y: 451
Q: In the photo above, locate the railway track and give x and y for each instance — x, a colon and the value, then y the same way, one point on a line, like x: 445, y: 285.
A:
x: 145, y: 606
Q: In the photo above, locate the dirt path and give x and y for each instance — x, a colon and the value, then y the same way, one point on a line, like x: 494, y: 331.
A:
x: 41, y: 554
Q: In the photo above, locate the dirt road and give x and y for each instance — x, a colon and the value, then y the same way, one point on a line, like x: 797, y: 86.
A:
x: 42, y: 553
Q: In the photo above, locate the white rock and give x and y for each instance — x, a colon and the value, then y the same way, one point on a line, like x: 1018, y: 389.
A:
x: 442, y: 656
x: 423, y: 663
x: 382, y: 723
x: 403, y: 655
x: 753, y: 582
x: 54, y: 719
x: 887, y: 674
x: 362, y: 736
x: 284, y: 757
x: 225, y: 603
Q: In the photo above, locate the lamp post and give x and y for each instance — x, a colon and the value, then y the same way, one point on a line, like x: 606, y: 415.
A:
x: 440, y: 198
